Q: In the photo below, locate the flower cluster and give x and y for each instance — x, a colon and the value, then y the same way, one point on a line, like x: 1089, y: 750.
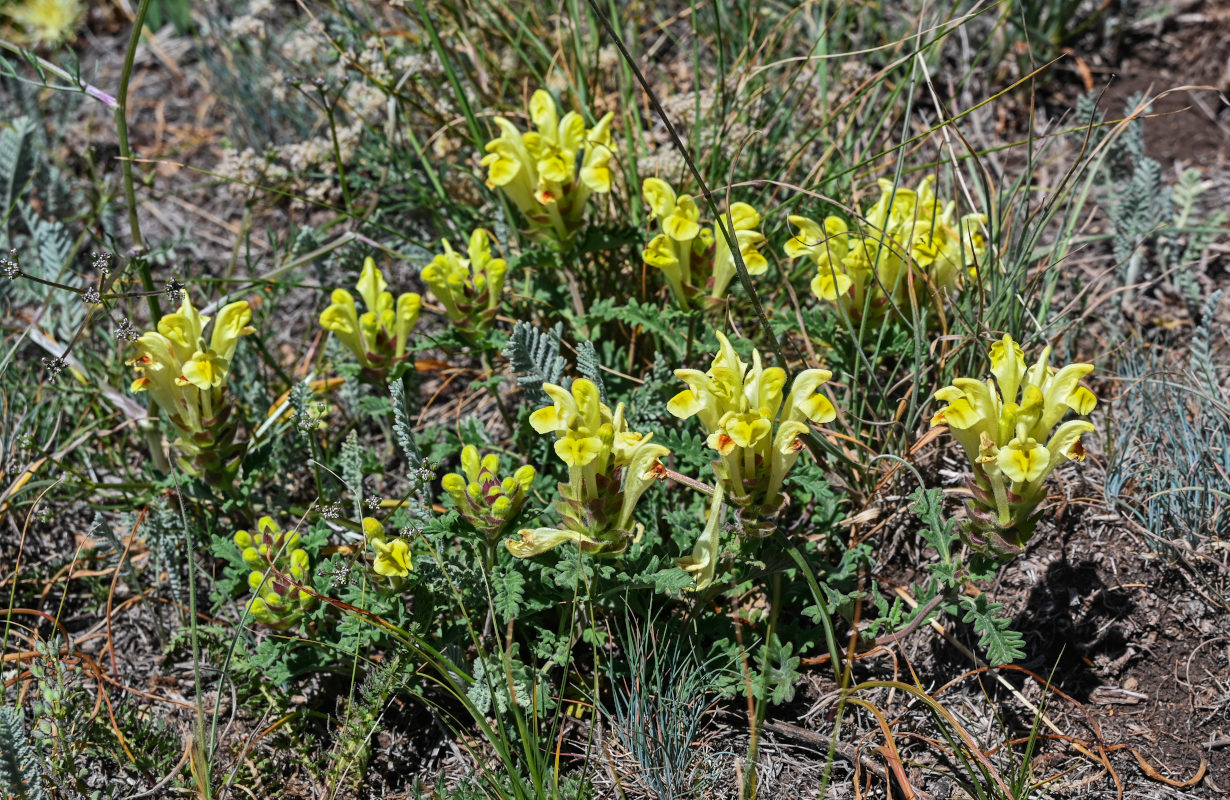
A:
x: 468, y: 288
x: 1004, y: 425
x: 378, y: 336
x: 186, y: 377
x: 485, y: 501
x: 609, y: 468
x: 905, y: 231
x: 280, y: 570
x: 694, y: 259
x: 44, y: 21
x: 392, y: 556
x: 550, y: 172
x: 754, y: 428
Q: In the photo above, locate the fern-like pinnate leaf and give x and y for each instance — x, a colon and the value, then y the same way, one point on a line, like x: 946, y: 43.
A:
x: 1002, y: 644
x: 401, y: 424
x: 1201, y: 360
x: 19, y: 772
x: 534, y: 355
x: 16, y: 162
x: 589, y: 366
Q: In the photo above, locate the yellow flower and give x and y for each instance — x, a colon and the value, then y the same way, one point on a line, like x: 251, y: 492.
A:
x: 739, y: 409
x: 378, y: 337
x: 1002, y: 423
x: 46, y: 21
x: 186, y: 378
x: 905, y: 229
x: 469, y: 289
x: 609, y: 468
x: 539, y: 171
x: 392, y: 558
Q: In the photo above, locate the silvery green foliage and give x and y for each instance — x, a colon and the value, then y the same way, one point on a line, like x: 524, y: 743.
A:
x: 351, y: 461
x: 590, y: 367
x: 1157, y: 230
x: 1171, y: 447
x: 19, y: 763
x: 16, y: 165
x: 534, y: 354
x: 401, y: 424
x: 164, y: 531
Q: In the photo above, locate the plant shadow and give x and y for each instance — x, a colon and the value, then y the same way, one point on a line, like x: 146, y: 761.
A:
x: 1073, y: 624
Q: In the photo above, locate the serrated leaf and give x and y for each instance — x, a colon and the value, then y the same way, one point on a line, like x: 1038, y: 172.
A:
x: 1002, y: 644
x: 534, y: 355
x: 509, y: 594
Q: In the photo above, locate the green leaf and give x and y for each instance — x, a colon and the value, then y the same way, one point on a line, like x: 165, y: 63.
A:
x: 509, y: 589
x: 671, y: 580
x: 1002, y: 644
x: 780, y: 669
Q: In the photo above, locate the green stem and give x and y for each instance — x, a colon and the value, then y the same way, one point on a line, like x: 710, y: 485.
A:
x: 753, y: 745
x: 130, y: 192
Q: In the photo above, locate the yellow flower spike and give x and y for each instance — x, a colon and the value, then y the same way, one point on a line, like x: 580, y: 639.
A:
x: 543, y: 171
x: 392, y: 558
x: 1003, y: 440
x: 609, y: 467
x: 752, y: 425
x: 1023, y: 461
